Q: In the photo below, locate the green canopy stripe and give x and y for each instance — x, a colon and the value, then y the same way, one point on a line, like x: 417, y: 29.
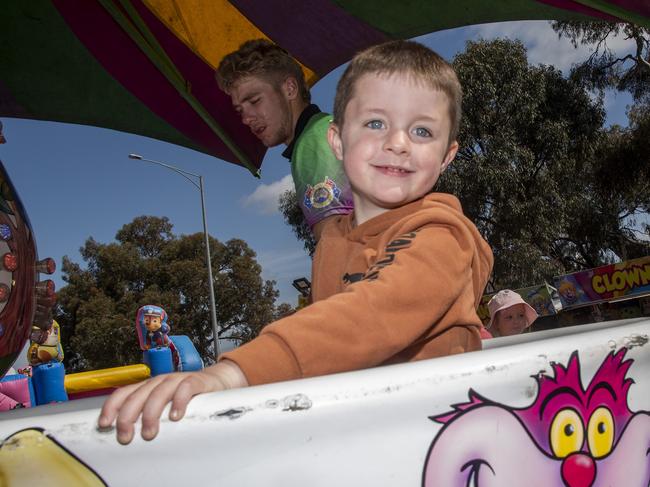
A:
x: 78, y: 88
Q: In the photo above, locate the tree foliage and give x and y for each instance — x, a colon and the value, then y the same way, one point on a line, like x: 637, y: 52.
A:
x: 530, y: 171
x: 605, y: 68
x: 295, y: 219
x: 148, y: 264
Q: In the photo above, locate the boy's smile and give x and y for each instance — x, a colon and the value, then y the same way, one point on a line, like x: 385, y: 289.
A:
x: 264, y: 109
x: 394, y: 142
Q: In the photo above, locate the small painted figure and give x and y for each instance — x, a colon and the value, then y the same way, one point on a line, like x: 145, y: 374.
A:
x: 45, y: 345
x: 152, y: 327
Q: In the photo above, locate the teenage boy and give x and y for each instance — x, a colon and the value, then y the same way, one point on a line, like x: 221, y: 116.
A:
x: 268, y: 89
x: 397, y: 280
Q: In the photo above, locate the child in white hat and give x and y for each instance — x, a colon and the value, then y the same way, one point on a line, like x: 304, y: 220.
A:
x: 509, y: 314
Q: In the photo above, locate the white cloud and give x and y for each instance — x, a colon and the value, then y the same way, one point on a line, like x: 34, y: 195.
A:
x: 543, y: 44
x: 545, y: 47
x: 266, y: 196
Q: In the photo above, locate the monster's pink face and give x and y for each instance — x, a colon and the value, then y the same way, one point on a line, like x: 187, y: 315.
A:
x: 570, y: 435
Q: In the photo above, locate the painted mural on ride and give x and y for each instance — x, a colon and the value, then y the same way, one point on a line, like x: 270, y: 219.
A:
x: 570, y: 435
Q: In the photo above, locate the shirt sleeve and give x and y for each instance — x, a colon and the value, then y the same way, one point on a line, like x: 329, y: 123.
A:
x: 322, y: 189
x: 408, y: 295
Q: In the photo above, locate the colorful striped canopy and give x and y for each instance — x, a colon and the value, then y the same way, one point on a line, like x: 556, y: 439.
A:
x: 146, y: 66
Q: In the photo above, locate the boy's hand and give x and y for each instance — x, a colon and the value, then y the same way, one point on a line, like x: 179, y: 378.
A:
x: 150, y: 397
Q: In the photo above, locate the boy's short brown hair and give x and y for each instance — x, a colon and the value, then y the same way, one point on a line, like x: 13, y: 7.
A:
x: 402, y: 57
x: 263, y: 59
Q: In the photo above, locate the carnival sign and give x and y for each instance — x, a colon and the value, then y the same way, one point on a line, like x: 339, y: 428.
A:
x: 622, y: 280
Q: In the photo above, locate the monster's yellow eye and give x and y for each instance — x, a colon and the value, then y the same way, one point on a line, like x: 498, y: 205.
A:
x: 600, y: 432
x: 567, y: 433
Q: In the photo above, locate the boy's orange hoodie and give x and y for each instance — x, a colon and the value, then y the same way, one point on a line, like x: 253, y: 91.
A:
x: 402, y: 286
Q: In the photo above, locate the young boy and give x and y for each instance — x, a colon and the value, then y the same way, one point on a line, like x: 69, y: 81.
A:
x: 268, y: 89
x: 398, y: 280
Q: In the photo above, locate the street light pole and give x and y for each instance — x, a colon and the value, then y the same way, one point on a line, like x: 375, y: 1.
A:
x: 186, y: 175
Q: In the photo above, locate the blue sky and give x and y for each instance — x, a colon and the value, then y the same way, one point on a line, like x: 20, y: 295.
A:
x: 76, y: 181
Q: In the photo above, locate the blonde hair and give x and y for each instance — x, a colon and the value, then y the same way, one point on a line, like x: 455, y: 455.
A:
x: 263, y: 59
x: 402, y: 57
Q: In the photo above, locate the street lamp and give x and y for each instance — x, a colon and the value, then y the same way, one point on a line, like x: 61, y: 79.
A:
x: 186, y: 175
x: 302, y: 285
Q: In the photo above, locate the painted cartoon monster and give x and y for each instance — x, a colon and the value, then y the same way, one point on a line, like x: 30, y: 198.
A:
x: 570, y: 436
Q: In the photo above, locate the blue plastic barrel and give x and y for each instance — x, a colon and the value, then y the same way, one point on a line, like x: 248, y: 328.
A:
x: 48, y: 381
x: 159, y: 360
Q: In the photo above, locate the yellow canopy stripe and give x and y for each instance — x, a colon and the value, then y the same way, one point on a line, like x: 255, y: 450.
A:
x: 211, y: 41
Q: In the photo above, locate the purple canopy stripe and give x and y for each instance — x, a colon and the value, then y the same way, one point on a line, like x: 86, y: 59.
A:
x: 320, y: 35
x: 635, y: 11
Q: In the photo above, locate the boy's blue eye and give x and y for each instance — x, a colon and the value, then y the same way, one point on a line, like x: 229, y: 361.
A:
x: 422, y: 132
x: 375, y: 124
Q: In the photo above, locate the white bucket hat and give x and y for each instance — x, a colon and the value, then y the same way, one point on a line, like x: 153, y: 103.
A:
x: 506, y: 298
